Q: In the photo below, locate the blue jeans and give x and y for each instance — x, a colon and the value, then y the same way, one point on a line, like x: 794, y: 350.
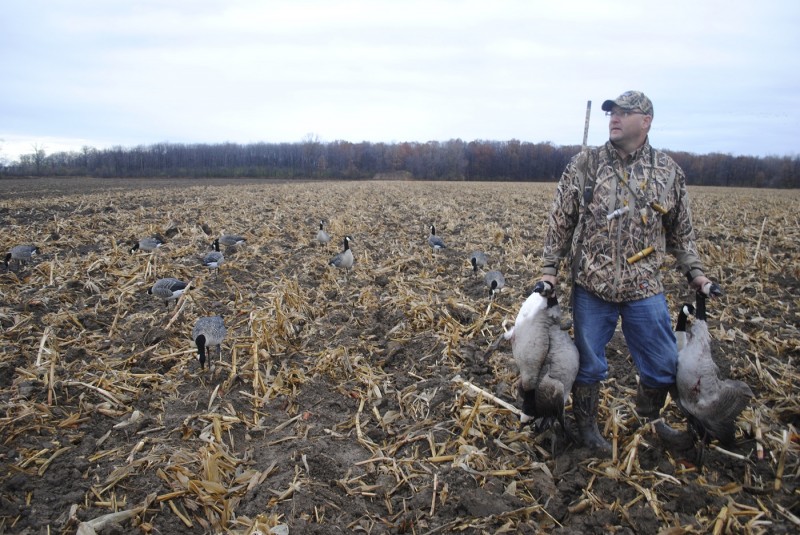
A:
x: 648, y: 333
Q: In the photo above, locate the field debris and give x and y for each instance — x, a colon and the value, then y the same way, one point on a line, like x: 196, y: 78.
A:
x: 382, y: 402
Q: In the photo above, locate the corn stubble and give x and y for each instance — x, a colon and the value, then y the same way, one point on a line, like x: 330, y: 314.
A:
x: 369, y: 402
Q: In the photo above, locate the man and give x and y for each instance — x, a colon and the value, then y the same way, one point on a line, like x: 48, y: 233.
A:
x: 618, y: 210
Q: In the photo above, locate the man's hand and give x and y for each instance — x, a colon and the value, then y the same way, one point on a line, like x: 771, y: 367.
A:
x: 703, y: 284
x: 546, y: 286
x: 553, y: 280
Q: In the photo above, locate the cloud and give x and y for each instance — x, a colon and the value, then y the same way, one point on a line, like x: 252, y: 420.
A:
x: 144, y: 72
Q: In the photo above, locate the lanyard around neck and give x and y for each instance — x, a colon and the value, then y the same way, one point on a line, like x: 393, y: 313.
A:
x: 638, y: 197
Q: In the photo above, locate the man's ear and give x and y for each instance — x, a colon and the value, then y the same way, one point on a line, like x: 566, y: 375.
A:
x: 647, y: 122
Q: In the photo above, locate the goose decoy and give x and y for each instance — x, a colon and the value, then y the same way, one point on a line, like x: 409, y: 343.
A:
x: 711, y: 404
x: 547, y: 359
x: 435, y: 241
x: 322, y: 236
x: 214, y: 259
x: 149, y: 244
x: 495, y: 281
x: 168, y: 289
x: 345, y: 258
x: 22, y: 254
x: 232, y: 240
x: 478, y: 260
x: 209, y: 331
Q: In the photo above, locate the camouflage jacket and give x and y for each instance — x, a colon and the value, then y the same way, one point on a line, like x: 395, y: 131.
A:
x: 642, y: 187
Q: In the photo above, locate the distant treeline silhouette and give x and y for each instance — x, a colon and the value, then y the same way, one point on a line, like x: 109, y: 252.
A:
x: 450, y: 160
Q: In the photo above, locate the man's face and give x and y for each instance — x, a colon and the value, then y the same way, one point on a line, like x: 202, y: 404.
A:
x: 628, y: 127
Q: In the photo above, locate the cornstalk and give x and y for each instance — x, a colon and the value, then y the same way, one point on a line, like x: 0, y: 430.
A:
x: 761, y: 235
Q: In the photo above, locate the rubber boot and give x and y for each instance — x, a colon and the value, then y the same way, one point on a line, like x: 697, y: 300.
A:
x: 649, y: 402
x: 585, y: 401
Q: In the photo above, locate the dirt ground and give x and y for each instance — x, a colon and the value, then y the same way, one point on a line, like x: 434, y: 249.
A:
x: 336, y: 405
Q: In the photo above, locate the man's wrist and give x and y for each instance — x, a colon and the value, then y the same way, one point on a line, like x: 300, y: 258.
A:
x: 550, y: 270
x: 693, y: 273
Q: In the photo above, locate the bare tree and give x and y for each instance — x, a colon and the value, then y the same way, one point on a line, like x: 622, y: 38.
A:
x: 38, y: 157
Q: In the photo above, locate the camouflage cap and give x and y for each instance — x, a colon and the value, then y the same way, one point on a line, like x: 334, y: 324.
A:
x: 631, y: 100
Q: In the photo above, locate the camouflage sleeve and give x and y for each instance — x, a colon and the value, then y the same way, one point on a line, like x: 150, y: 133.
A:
x: 562, y: 220
x: 680, y: 237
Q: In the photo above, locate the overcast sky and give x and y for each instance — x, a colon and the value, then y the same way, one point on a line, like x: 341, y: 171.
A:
x: 724, y: 76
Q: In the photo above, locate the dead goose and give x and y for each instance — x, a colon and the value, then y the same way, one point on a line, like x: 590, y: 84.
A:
x: 546, y: 357
x: 22, y: 254
x: 436, y: 242
x: 322, y: 236
x: 650, y: 401
x: 711, y: 404
x: 209, y: 331
x: 168, y: 289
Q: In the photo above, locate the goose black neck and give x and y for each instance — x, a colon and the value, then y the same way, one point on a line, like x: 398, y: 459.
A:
x: 681, y: 325
x: 201, y: 349
x: 474, y: 264
x: 552, y: 302
x: 700, y: 306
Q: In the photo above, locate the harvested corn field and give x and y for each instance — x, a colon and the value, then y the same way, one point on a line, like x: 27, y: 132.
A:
x: 363, y: 400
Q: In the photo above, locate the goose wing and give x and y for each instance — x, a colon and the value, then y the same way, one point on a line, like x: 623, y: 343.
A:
x: 342, y: 260
x: 563, y: 359
x: 213, y: 259
x: 231, y: 239
x: 718, y: 416
x: 557, y: 374
x: 176, y: 285
x: 436, y: 242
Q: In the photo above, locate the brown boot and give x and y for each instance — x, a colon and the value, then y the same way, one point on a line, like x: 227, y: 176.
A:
x: 649, y: 402
x: 585, y: 401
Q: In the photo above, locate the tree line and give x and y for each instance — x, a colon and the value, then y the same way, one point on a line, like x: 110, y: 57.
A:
x: 512, y: 160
